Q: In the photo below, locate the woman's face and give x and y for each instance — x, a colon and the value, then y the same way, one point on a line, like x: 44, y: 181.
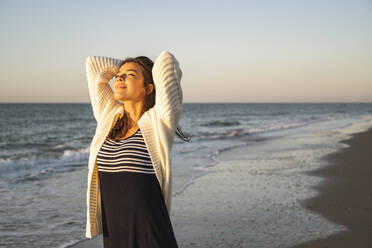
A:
x: 129, y: 83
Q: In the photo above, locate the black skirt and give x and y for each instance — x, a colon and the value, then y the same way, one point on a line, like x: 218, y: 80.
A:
x: 134, y: 214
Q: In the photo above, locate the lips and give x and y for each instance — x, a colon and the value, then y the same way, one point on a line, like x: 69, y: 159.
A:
x: 121, y: 86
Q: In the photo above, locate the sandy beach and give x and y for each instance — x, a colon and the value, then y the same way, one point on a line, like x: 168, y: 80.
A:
x: 235, y: 205
x: 346, y: 194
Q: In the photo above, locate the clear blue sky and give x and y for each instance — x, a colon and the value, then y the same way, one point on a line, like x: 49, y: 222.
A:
x: 229, y: 51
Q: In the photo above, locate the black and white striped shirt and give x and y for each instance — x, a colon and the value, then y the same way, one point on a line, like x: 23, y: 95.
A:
x: 126, y: 155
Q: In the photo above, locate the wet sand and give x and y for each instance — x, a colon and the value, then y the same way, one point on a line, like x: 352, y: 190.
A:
x: 346, y: 194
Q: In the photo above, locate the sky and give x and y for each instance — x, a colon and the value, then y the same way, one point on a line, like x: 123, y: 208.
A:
x: 229, y: 51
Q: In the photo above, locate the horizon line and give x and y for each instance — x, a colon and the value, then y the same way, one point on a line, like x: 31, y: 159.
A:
x: 191, y: 102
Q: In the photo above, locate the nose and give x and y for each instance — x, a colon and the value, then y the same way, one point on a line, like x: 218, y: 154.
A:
x: 120, y: 78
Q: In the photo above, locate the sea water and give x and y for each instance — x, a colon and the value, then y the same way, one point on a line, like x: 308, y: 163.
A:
x: 45, y: 149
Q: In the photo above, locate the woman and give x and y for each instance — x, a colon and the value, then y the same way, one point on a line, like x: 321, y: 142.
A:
x: 130, y: 177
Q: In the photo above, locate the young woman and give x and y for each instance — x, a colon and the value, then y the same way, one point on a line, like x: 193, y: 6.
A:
x: 130, y: 177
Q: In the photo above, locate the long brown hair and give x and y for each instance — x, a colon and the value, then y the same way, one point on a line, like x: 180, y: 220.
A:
x: 122, y: 125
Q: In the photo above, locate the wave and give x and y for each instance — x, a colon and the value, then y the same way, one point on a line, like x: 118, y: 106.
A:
x: 34, y: 167
x: 262, y: 127
x: 221, y: 123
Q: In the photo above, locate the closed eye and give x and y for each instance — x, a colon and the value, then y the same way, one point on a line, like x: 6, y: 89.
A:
x: 130, y: 74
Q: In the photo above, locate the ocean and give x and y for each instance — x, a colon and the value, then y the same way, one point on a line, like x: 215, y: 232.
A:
x: 45, y: 149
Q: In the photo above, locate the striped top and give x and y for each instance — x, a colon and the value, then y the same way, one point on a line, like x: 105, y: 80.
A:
x: 126, y: 155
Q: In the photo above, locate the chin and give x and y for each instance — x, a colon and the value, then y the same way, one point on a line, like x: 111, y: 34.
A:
x: 118, y: 98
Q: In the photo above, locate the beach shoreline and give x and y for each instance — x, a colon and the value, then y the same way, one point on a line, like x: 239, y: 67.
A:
x: 233, y: 206
x: 345, y: 197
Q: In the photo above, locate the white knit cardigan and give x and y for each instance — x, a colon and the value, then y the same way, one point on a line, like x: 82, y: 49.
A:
x: 158, y: 124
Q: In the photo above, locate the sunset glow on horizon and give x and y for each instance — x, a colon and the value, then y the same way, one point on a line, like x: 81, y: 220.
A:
x: 239, y: 51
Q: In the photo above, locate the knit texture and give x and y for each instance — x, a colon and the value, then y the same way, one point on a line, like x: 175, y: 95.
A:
x: 158, y: 124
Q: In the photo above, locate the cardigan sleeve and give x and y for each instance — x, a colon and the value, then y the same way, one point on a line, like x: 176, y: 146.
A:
x: 100, y: 70
x: 167, y: 79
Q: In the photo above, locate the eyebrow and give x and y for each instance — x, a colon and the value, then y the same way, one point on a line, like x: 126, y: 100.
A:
x: 131, y: 70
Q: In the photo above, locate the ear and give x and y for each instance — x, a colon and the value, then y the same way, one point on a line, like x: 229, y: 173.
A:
x: 150, y: 88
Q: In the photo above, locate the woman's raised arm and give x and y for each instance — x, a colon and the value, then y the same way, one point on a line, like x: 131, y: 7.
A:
x: 167, y: 75
x: 100, y: 70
